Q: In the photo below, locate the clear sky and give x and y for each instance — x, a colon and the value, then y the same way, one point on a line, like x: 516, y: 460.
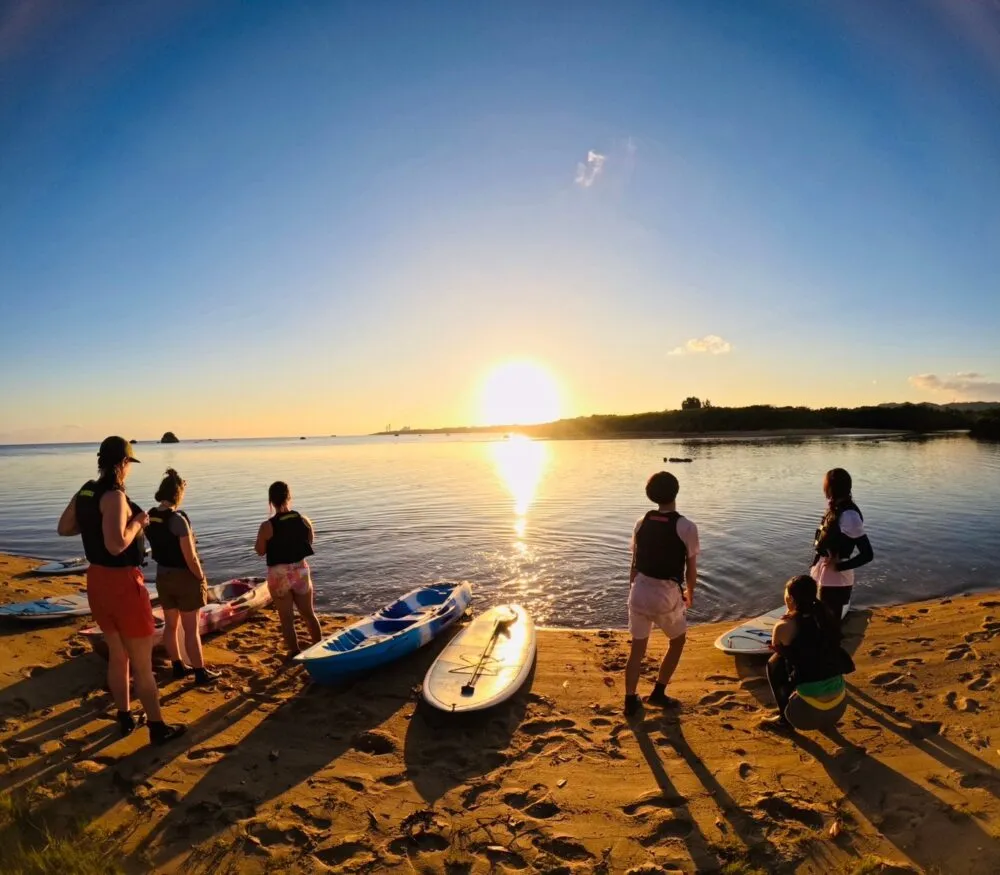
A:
x: 234, y: 219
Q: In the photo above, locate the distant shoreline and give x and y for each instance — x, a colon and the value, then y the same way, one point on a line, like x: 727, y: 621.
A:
x: 661, y: 435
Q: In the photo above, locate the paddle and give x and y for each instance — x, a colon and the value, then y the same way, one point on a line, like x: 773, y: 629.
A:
x: 469, y: 687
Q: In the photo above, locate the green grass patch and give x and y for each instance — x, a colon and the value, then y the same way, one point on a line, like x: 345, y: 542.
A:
x: 741, y: 868
x: 29, y: 847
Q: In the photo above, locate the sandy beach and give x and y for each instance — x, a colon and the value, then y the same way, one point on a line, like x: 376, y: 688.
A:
x: 276, y: 774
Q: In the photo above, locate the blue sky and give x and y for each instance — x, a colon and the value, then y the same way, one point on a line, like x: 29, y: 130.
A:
x: 239, y: 219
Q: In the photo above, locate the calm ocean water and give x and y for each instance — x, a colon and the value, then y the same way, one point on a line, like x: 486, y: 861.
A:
x: 548, y: 523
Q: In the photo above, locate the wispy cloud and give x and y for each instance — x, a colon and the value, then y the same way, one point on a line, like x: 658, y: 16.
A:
x: 711, y: 344
x: 964, y: 386
x: 587, y: 172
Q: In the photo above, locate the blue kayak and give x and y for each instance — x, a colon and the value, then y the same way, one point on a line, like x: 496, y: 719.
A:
x: 398, y: 629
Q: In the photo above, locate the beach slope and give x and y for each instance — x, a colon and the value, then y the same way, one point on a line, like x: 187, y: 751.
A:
x: 276, y: 774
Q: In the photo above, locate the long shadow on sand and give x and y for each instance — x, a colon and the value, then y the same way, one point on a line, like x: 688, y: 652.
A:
x: 760, y: 850
x: 46, y: 687
x: 122, y: 777
x: 925, y: 736
x: 444, y: 750
x: 934, y: 835
x: 301, y: 736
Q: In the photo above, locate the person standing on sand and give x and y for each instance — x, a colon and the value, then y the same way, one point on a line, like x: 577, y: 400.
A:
x: 112, y: 530
x: 661, y: 587
x: 806, y: 670
x: 840, y: 533
x: 285, y: 540
x: 180, y: 581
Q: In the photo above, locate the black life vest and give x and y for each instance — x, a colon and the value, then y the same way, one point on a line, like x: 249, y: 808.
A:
x: 289, y: 541
x: 830, y: 540
x: 166, y: 545
x: 88, y: 518
x: 659, y: 551
x: 813, y: 655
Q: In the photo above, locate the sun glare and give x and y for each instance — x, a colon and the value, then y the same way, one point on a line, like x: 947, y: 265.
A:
x: 519, y: 393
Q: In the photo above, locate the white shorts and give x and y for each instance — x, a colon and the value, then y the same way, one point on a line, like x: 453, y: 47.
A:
x: 654, y: 602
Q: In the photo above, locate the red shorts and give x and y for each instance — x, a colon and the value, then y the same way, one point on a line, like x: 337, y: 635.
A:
x: 119, y: 601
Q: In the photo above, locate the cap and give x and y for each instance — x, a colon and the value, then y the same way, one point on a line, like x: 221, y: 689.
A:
x: 115, y: 449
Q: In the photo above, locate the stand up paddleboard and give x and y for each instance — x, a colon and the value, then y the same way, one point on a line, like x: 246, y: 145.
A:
x: 54, y: 608
x: 753, y: 638
x: 76, y: 565
x: 68, y: 566
x: 485, y: 663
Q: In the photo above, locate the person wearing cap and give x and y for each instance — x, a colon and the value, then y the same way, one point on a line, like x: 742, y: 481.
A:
x: 112, y: 527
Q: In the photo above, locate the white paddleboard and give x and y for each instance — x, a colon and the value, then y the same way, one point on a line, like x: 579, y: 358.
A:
x: 753, y: 638
x: 485, y: 663
x: 69, y: 566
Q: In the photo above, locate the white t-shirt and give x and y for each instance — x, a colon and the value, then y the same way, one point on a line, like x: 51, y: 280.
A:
x: 823, y: 571
x: 687, y: 531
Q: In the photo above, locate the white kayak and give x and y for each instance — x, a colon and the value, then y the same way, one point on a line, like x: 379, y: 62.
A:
x: 52, y: 608
x: 485, y: 663
x: 753, y: 638
x: 67, y: 566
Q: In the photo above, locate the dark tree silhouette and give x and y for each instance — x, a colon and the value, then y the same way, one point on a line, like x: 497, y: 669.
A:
x: 691, y: 403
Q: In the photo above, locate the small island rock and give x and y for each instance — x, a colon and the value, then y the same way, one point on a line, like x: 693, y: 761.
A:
x: 169, y: 438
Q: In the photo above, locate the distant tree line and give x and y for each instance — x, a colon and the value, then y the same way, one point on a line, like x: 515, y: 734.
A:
x: 761, y: 417
x: 987, y: 426
x: 696, y: 417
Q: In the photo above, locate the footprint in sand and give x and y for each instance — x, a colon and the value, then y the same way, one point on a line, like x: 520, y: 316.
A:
x: 546, y: 724
x: 918, y: 640
x: 653, y: 801
x: 960, y: 703
x: 722, y: 679
x: 535, y: 802
x: 270, y: 834
x: 470, y: 798
x: 878, y: 651
x: 499, y: 857
x: 563, y: 848
x: 671, y: 826
x: 421, y: 833
x: 352, y: 849
x: 745, y: 770
x: 715, y: 697
x: 908, y: 660
x: 982, y: 680
x: 893, y: 682
x: 394, y: 780
x: 784, y: 808
x: 960, y: 651
x: 374, y: 741
x: 989, y: 604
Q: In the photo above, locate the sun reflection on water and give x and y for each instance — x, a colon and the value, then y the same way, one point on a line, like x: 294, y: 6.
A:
x: 520, y: 464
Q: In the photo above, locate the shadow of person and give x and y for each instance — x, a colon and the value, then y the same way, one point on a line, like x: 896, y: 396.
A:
x: 762, y: 852
x: 93, y: 794
x: 45, y: 687
x: 670, y: 797
x: 299, y: 737
x: 925, y: 736
x: 933, y: 834
x: 444, y: 750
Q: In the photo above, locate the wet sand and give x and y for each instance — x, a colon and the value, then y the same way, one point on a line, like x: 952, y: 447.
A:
x: 276, y: 774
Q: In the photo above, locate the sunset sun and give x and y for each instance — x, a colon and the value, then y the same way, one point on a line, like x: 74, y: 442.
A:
x: 519, y: 393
